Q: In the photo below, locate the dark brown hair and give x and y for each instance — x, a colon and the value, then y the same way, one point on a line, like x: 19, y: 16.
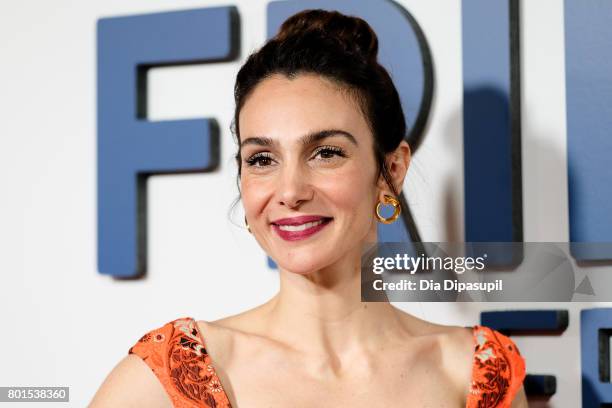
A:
x: 343, y: 49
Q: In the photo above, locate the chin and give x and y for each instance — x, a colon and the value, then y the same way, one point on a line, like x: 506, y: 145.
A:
x: 301, y: 267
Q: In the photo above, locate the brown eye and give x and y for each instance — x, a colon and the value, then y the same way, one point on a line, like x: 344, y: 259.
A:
x: 329, y: 152
x: 259, y: 160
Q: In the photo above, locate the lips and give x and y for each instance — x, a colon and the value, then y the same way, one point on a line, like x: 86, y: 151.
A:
x: 298, y: 228
x: 303, y: 219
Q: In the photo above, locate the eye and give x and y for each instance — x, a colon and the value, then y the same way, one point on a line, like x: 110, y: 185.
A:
x: 328, y: 152
x: 262, y: 159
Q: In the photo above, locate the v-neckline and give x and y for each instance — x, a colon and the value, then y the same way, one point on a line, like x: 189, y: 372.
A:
x: 210, y: 361
x: 214, y: 369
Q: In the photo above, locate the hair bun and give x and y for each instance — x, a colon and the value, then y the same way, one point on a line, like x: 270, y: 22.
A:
x: 352, y: 33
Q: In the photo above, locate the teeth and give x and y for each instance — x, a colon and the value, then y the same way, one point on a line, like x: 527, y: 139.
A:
x: 301, y: 227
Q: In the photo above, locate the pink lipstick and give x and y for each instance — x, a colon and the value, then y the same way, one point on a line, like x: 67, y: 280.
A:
x: 298, y: 228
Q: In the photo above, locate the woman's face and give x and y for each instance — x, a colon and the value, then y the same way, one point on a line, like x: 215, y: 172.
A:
x: 285, y: 174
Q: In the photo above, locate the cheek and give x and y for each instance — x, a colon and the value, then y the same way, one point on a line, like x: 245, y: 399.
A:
x: 254, y: 194
x: 350, y: 190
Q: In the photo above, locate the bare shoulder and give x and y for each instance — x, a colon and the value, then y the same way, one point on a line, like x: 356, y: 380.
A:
x: 456, y: 345
x: 131, y: 383
x: 227, y: 336
x: 456, y: 341
x: 225, y: 331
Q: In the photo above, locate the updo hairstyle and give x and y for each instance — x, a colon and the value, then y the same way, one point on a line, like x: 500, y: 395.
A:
x: 344, y: 50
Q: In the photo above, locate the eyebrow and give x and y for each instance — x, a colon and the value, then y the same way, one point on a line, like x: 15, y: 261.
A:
x: 304, y: 140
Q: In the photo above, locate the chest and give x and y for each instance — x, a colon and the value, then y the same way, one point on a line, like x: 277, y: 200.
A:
x: 393, y: 384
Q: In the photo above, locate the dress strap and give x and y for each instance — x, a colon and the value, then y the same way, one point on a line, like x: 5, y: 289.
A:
x: 498, y: 369
x: 176, y: 354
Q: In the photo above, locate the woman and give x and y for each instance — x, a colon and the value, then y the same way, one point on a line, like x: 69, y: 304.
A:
x: 321, y: 134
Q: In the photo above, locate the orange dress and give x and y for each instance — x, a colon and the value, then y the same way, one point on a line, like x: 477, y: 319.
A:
x: 176, y: 353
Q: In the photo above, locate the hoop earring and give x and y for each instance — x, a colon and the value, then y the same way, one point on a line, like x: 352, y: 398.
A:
x: 397, y: 209
x: 247, y: 224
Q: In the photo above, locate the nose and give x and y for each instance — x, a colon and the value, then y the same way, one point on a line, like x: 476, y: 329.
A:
x: 294, y: 186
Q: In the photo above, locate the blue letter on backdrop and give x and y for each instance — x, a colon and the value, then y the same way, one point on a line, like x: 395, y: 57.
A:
x: 491, y: 125
x: 404, y: 51
x: 595, y: 331
x: 129, y: 147
x: 588, y: 69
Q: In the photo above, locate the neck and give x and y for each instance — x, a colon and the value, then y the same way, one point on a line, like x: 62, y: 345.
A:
x: 322, y: 316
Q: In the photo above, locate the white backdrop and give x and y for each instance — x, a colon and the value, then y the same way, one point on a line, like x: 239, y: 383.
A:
x: 63, y: 324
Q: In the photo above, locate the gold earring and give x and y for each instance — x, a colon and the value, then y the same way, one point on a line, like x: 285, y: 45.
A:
x: 396, y: 209
x: 247, y: 224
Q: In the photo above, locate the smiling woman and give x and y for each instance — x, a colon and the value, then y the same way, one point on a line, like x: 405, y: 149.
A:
x: 320, y: 132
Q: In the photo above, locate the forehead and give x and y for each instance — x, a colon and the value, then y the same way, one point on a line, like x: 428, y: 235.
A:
x: 280, y: 107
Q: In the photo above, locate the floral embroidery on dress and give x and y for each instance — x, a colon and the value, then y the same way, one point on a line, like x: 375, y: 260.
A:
x: 498, y: 370
x: 178, y: 357
x: 191, y: 342
x: 215, y: 386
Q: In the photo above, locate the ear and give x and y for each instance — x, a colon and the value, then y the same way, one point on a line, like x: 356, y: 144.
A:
x: 397, y: 163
